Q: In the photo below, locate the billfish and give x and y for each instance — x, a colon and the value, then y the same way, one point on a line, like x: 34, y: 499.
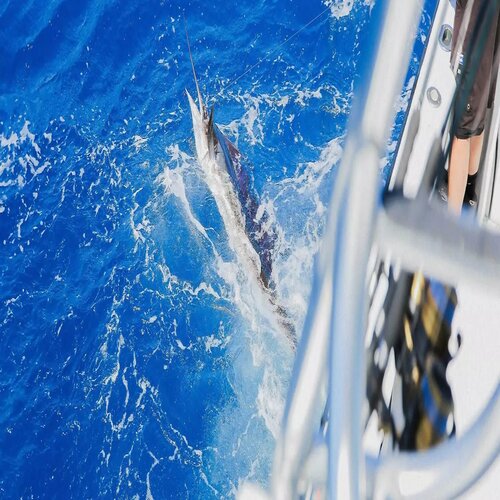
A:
x: 231, y: 187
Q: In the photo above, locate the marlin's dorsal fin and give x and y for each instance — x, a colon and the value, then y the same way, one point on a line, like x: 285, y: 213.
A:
x: 200, y: 101
x: 211, y: 119
x: 210, y: 128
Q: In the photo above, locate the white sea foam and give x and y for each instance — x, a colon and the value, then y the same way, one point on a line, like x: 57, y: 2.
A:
x: 304, y: 95
x: 149, y: 495
x: 213, y: 342
x: 173, y: 283
x: 253, y: 127
x: 139, y: 142
x: 309, y: 176
x: 270, y: 400
x: 5, y: 166
x: 23, y: 161
x: 173, y: 182
x: 340, y: 8
x: 12, y: 140
x: 137, y: 228
x: 403, y: 100
x: 253, y: 120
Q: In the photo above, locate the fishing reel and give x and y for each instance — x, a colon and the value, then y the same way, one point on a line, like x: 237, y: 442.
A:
x: 410, y: 348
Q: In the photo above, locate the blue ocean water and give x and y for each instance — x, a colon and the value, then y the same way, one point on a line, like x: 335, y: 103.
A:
x: 135, y: 361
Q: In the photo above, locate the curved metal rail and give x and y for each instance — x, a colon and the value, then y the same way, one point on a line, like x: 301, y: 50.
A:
x: 330, y: 358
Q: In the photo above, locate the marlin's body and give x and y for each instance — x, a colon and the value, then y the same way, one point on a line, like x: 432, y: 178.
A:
x: 230, y: 186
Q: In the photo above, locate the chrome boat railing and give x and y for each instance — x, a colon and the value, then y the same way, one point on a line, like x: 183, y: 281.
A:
x: 330, y: 365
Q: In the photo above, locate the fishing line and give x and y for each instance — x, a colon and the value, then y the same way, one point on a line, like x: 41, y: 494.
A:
x: 260, y: 61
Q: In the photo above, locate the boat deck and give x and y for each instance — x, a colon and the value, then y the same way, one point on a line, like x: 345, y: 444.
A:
x: 475, y: 371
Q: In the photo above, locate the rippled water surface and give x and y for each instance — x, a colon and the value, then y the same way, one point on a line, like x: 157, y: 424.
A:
x: 135, y: 360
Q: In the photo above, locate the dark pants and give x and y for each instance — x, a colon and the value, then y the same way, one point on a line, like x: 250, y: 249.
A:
x: 477, y: 90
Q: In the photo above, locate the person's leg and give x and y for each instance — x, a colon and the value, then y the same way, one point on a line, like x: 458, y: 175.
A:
x: 476, y: 147
x: 457, y: 173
